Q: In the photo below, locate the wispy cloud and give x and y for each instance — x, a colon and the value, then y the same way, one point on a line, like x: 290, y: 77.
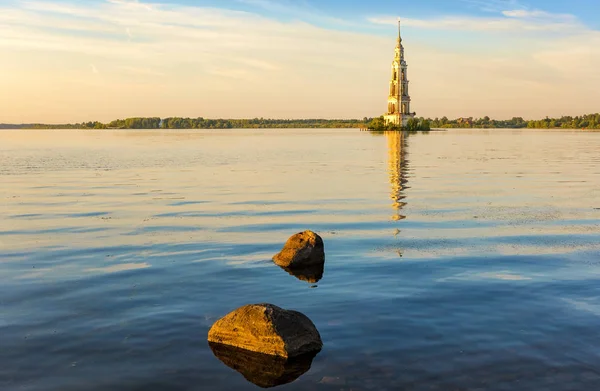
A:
x: 541, y: 16
x: 494, y: 5
x: 297, y: 9
x: 508, y: 21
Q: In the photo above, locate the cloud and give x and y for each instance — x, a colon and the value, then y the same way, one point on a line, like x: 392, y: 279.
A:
x: 541, y: 16
x: 133, y: 4
x: 276, y: 6
x: 493, y: 5
x: 525, y: 14
x: 511, y: 21
x: 299, y: 10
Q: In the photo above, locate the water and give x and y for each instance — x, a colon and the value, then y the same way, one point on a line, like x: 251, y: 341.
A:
x: 460, y: 260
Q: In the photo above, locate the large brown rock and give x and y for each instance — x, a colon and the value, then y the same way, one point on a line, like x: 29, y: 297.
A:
x: 264, y: 370
x: 301, y: 250
x: 268, y: 329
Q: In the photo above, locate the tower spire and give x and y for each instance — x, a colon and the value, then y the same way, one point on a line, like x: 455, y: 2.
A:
x: 399, y: 33
x: 399, y: 30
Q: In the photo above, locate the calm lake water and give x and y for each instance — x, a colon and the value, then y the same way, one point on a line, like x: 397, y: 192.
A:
x: 460, y: 260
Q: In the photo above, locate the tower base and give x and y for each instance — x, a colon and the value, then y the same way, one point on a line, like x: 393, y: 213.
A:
x: 394, y: 120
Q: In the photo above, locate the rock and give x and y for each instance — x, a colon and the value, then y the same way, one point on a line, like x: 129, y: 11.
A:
x: 268, y: 329
x: 311, y: 274
x: 301, y: 250
x: 263, y: 370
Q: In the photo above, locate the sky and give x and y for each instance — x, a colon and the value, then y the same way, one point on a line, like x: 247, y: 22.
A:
x: 86, y: 60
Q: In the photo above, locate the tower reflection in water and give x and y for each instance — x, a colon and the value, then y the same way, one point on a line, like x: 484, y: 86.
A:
x: 398, y: 171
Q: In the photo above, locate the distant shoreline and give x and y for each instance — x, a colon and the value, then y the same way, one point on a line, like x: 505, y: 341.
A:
x: 305, y: 128
x: 584, y: 122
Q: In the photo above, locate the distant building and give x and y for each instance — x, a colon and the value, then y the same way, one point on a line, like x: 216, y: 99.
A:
x: 398, y: 112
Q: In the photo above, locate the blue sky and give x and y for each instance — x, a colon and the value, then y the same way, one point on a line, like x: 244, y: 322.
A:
x: 75, y: 60
x: 356, y: 10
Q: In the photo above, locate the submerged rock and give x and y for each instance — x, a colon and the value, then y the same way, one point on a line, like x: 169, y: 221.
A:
x: 311, y: 274
x: 301, y: 250
x: 263, y: 370
x: 268, y: 329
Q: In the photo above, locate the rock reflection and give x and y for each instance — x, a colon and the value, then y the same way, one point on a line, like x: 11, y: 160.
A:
x: 311, y: 274
x: 398, y: 167
x: 260, y: 369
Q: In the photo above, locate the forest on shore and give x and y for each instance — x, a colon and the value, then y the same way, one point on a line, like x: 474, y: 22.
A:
x: 588, y: 121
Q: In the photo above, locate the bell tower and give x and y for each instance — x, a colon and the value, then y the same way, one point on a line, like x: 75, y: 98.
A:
x: 398, y: 112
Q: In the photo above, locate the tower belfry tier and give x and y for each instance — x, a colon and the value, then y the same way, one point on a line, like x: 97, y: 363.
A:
x: 398, y: 112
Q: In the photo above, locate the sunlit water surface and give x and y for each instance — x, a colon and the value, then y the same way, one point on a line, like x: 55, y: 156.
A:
x: 460, y: 260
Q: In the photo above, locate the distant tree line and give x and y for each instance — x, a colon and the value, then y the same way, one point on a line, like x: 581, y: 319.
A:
x: 200, y: 123
x: 82, y: 125
x: 589, y: 121
x: 135, y: 123
x: 203, y: 123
